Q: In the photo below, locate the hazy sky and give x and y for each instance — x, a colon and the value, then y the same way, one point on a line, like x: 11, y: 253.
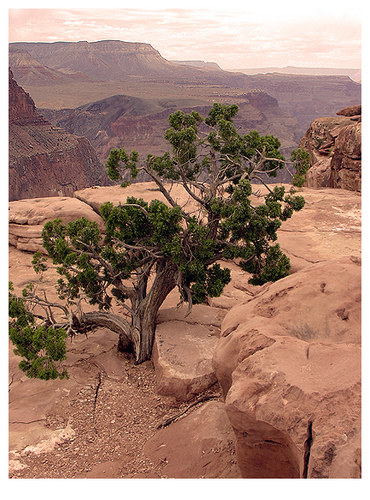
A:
x: 244, y: 34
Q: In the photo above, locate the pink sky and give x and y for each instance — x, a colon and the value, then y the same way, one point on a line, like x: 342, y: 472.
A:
x: 244, y: 35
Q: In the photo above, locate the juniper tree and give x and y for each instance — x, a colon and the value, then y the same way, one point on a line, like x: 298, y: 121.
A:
x: 149, y: 249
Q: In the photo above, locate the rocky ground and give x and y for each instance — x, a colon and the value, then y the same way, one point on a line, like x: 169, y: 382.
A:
x: 97, y: 423
x: 101, y: 430
x: 105, y: 420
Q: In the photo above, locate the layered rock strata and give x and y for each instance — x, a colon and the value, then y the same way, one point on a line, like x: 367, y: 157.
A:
x: 334, y: 144
x: 28, y: 217
x: 140, y: 123
x: 45, y: 160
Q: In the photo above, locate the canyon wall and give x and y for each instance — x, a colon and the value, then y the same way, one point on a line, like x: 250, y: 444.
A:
x: 45, y: 160
x: 334, y: 144
x: 140, y: 123
x: 137, y: 69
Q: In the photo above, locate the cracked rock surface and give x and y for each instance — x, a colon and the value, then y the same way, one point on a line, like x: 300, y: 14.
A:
x: 289, y: 364
x: 96, y: 423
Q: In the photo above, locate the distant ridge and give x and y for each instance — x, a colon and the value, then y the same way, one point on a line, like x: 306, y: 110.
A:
x: 27, y: 70
x: 138, y: 69
x: 103, y: 60
x: 353, y: 73
x: 140, y: 124
x: 199, y: 64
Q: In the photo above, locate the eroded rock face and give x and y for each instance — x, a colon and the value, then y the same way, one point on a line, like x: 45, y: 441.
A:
x: 45, y: 160
x: 289, y: 353
x: 27, y: 219
x: 140, y: 123
x: 334, y: 144
x: 329, y: 225
x: 289, y: 364
x: 22, y: 109
x: 350, y: 111
x: 345, y: 166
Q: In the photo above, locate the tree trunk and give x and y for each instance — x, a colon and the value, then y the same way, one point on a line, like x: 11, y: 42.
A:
x: 138, y: 336
x: 145, y: 316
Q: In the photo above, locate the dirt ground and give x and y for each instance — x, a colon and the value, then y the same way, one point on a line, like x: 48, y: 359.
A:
x: 112, y: 420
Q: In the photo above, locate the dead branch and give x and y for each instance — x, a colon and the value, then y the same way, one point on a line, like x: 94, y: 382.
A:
x: 169, y: 421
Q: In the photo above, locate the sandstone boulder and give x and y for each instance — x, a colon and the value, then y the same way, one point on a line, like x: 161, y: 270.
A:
x: 319, y: 173
x: 183, y: 350
x: 289, y: 364
x: 288, y: 361
x: 27, y: 218
x: 200, y: 445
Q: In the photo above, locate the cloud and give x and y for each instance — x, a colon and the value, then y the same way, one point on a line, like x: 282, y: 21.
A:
x: 232, y: 37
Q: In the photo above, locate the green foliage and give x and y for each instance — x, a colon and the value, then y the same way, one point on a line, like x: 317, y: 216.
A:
x: 39, y: 262
x: 120, y: 155
x: 41, y: 347
x: 194, y: 156
x: 235, y: 228
x: 215, y: 165
x: 318, y: 142
x: 301, y: 160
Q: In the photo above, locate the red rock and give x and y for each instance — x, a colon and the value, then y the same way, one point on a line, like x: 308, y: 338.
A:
x: 334, y: 144
x: 319, y: 174
x: 329, y: 225
x: 199, y: 445
x: 350, y: 111
x: 290, y: 359
x: 290, y: 351
x: 182, y: 353
x: 22, y: 109
x: 149, y: 191
x: 45, y: 160
x: 27, y: 218
x: 105, y: 470
x: 346, y: 160
x: 30, y: 400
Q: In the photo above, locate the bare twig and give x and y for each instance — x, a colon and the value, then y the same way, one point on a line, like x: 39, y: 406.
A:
x: 194, y: 403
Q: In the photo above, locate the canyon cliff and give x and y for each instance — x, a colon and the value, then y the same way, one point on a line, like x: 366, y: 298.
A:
x: 45, y: 160
x: 140, y: 123
x: 97, y: 70
x: 261, y: 382
x: 334, y: 144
